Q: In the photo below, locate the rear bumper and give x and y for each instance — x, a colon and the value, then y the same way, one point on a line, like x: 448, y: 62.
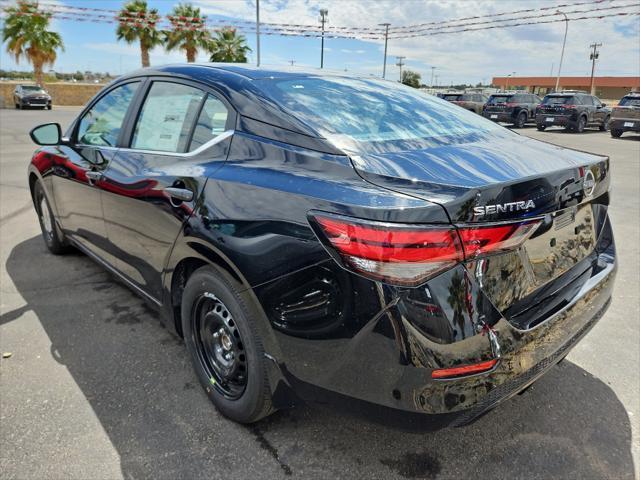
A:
x: 625, y: 124
x: 498, y: 116
x: 551, y: 120
x: 388, y: 361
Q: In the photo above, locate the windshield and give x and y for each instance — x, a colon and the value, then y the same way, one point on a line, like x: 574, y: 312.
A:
x: 630, y: 102
x: 499, y: 99
x: 375, y: 115
x: 450, y: 98
x: 32, y: 88
x: 558, y: 100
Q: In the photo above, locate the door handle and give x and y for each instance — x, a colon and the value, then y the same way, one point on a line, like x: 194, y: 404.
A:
x: 93, y: 176
x: 180, y: 194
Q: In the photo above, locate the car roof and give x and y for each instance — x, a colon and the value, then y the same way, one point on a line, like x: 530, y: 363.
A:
x: 231, y: 71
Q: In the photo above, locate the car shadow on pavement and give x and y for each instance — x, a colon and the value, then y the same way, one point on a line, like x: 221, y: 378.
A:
x: 137, y: 378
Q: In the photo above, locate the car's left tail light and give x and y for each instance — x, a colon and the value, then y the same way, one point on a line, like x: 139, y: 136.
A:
x: 408, y: 255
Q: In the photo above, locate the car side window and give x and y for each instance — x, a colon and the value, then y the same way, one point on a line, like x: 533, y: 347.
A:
x: 596, y: 101
x: 586, y: 100
x: 101, y: 125
x: 166, y: 118
x: 211, y: 122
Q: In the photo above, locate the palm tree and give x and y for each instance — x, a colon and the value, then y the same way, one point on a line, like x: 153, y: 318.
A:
x: 229, y: 47
x: 26, y: 34
x: 189, y: 32
x: 137, y: 22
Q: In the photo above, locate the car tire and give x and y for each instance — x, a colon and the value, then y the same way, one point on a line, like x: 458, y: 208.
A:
x: 605, y: 125
x: 19, y: 106
x: 227, y: 353
x: 615, y: 133
x: 580, y: 125
x: 521, y: 120
x: 541, y: 127
x: 49, y: 107
x: 52, y: 235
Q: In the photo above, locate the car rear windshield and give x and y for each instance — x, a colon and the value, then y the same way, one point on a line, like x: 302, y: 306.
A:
x: 630, y: 102
x: 499, y: 99
x: 31, y: 88
x: 375, y: 115
x: 456, y: 96
x: 559, y: 100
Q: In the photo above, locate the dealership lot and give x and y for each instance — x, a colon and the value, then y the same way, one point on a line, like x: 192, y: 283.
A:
x: 96, y: 388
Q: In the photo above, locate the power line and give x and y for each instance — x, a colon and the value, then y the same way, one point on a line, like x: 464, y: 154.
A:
x: 266, y: 29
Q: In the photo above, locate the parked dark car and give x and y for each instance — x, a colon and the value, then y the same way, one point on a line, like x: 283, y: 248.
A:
x: 626, y: 116
x: 574, y: 111
x: 310, y: 234
x: 31, y: 96
x: 514, y: 108
x: 469, y: 101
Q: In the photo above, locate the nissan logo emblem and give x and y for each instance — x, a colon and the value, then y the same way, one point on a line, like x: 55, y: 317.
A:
x: 589, y: 184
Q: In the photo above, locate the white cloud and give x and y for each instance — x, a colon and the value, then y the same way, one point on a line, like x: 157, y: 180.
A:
x: 469, y: 56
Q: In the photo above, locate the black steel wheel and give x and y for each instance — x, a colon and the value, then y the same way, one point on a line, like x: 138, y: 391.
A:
x: 221, y: 327
x: 51, y: 233
x: 219, y: 346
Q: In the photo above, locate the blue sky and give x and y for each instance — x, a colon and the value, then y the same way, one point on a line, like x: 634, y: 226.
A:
x: 465, y: 57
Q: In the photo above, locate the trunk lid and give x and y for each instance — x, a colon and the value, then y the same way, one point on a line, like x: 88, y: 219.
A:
x: 509, y: 178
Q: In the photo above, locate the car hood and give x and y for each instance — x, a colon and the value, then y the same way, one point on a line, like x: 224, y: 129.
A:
x: 496, y: 169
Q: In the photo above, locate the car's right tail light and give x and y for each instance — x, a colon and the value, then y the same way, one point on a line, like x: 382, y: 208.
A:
x: 404, y: 254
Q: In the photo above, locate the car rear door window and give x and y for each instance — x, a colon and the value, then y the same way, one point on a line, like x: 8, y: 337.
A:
x: 101, y: 125
x: 167, y: 117
x: 211, y: 122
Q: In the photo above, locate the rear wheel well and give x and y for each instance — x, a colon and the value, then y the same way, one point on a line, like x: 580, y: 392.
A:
x: 183, y: 270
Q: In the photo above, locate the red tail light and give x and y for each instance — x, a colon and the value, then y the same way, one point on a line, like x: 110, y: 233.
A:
x: 410, y: 254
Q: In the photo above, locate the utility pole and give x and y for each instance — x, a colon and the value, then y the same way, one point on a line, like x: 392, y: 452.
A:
x: 437, y: 80
x: 292, y: 62
x: 433, y: 69
x: 400, y: 63
x: 323, y: 19
x: 258, y: 33
x: 564, y: 42
x: 594, y: 56
x: 386, y: 39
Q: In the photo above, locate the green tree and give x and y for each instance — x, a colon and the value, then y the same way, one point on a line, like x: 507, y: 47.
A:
x: 228, y: 46
x: 411, y: 78
x: 138, y: 23
x: 188, y: 32
x: 25, y: 32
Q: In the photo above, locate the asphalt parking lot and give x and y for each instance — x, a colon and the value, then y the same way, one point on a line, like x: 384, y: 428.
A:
x: 96, y: 388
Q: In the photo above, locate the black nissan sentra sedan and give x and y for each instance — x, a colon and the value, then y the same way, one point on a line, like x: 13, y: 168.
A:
x: 311, y: 233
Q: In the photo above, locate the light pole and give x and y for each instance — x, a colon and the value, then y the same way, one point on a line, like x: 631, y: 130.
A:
x: 386, y: 39
x: 323, y: 19
x: 564, y: 42
x: 433, y: 69
x: 258, y: 33
x: 399, y: 63
x: 506, y: 87
x: 594, y: 55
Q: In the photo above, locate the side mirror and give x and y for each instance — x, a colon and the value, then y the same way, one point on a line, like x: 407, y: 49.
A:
x: 47, y: 134
x: 604, y: 104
